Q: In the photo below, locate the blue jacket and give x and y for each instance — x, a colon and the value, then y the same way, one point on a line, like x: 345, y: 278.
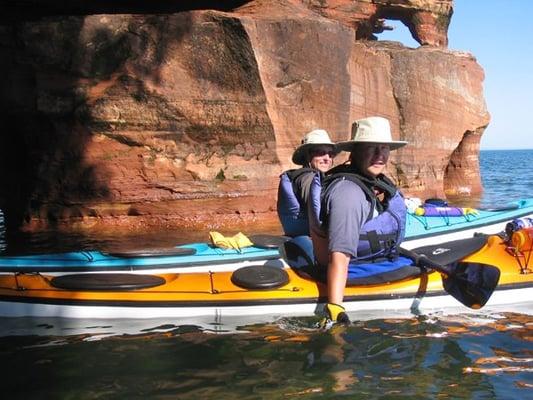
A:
x: 291, y: 205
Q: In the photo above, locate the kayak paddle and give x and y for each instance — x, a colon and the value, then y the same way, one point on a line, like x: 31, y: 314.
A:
x: 470, y: 283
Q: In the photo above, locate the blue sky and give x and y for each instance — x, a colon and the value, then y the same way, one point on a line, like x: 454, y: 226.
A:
x: 499, y: 34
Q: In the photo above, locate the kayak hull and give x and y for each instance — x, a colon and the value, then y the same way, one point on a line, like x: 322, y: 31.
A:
x: 391, y: 306
x: 215, y: 295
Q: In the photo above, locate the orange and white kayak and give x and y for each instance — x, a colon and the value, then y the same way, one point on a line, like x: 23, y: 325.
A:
x: 248, y: 291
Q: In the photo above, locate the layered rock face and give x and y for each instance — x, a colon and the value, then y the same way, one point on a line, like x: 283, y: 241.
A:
x: 187, y: 118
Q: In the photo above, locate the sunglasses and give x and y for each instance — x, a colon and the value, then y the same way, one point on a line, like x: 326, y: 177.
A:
x: 322, y: 152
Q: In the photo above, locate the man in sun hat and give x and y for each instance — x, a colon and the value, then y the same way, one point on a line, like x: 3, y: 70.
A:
x: 361, y: 216
x: 315, y: 155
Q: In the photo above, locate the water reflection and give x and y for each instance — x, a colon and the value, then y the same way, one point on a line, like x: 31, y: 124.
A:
x: 421, y: 357
x: 115, y: 239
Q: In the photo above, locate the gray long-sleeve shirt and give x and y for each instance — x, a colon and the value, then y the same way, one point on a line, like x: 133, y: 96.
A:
x: 346, y: 210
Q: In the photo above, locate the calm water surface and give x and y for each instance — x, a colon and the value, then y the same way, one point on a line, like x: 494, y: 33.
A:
x: 506, y: 175
x: 464, y: 356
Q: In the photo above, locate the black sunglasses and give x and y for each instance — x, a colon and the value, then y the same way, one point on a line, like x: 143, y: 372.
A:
x: 322, y: 152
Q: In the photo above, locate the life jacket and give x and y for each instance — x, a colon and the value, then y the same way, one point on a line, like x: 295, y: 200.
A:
x: 380, y: 235
x: 292, y: 212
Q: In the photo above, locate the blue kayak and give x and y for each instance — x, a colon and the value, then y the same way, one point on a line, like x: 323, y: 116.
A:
x: 185, y: 256
x: 419, y: 226
x: 420, y: 231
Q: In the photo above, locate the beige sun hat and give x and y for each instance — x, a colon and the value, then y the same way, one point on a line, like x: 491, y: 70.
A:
x: 316, y: 137
x: 371, y: 130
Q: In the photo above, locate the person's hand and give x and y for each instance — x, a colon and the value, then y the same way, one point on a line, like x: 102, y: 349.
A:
x: 334, y: 314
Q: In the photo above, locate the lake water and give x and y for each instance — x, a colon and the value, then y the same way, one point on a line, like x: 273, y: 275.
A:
x: 464, y: 356
x: 507, y: 175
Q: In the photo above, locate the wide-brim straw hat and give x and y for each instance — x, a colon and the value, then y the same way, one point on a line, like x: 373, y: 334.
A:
x: 317, y: 137
x: 374, y: 130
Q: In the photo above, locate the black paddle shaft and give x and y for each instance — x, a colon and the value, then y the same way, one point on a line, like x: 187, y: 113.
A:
x: 423, y: 261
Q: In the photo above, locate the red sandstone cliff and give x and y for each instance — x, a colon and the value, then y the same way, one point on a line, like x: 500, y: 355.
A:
x: 187, y: 117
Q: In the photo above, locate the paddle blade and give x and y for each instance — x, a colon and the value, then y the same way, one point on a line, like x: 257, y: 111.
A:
x: 472, y: 283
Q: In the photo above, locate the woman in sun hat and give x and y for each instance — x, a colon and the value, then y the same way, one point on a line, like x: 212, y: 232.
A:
x: 315, y: 154
x: 361, y: 215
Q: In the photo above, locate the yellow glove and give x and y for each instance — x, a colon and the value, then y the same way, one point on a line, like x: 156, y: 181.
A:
x: 236, y: 242
x: 470, y: 211
x: 335, y: 314
x: 240, y: 240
